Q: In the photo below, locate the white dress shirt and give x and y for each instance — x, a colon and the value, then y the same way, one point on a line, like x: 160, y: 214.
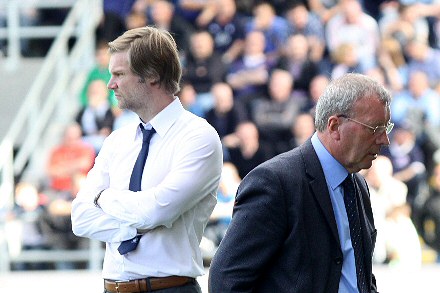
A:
x: 179, y: 187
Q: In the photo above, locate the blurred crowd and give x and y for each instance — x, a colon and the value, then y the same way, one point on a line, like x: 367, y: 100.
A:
x: 254, y: 70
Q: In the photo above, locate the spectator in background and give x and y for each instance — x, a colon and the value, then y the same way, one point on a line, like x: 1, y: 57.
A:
x: 431, y: 11
x: 419, y: 104
x: 222, y: 214
x: 203, y: 68
x: 403, y: 25
x: 302, y: 129
x: 387, y: 194
x: 226, y: 114
x: 243, y: 148
x: 227, y: 29
x: 274, y: 28
x: 316, y: 89
x: 123, y: 117
x: 275, y: 115
x: 163, y: 15
x: 345, y: 59
x: 24, y: 223
x: 422, y: 57
x: 392, y: 61
x: 68, y: 164
x: 57, y: 224
x: 353, y: 26
x: 402, y: 241
x: 249, y: 75
x: 407, y: 161
x: 96, y: 119
x: 136, y: 19
x: 68, y: 159
x: 98, y: 72
x: 324, y: 9
x: 378, y: 74
x: 188, y: 98
x: 196, y: 12
x: 301, y: 21
x: 295, y: 59
x: 430, y: 215
x: 113, y: 22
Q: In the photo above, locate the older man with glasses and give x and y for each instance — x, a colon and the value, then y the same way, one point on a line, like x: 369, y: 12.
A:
x: 302, y: 221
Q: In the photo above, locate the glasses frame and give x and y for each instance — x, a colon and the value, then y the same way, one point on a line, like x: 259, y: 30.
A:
x: 378, y: 130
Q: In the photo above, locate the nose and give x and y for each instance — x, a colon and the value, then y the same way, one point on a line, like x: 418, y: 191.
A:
x: 111, y: 84
x: 383, y: 139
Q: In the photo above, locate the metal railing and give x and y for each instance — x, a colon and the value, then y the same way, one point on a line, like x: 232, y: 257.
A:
x: 13, y: 32
x: 53, y: 94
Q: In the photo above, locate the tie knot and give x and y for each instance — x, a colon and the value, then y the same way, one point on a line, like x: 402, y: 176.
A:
x: 146, y: 133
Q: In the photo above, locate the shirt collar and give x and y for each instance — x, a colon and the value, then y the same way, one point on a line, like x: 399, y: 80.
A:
x: 163, y: 121
x: 334, y: 172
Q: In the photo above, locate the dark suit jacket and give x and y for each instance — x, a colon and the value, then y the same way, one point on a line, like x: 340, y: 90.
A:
x: 283, y: 236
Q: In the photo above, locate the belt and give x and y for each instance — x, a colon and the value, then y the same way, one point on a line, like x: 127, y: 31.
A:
x: 145, y: 285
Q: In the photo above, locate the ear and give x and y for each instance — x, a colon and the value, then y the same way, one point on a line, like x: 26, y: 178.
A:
x: 333, y: 127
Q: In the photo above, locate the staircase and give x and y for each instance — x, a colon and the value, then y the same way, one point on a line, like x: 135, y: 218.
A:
x: 37, y: 95
x: 14, y: 86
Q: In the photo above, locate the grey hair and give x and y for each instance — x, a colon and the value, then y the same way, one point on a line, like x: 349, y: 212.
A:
x: 341, y: 94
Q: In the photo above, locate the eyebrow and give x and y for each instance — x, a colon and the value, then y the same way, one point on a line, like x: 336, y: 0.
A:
x: 116, y: 71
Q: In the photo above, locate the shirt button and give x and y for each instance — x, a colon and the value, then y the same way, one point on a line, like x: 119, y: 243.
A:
x: 338, y: 260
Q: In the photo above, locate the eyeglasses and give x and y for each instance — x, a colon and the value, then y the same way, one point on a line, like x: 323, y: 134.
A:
x: 378, y: 130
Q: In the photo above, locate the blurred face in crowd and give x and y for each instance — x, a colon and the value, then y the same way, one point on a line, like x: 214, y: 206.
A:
x: 418, y: 83
x: 297, y: 47
x: 102, y: 56
x: 72, y: 135
x: 298, y: 16
x: 380, y: 171
x: 304, y: 127
x: 247, y: 133
x: 317, y: 86
x: 97, y: 93
x: 263, y: 16
x: 223, y: 97
x: 226, y: 9
x: 280, y: 86
x: 162, y: 12
x: 202, y: 45
x: 352, y: 10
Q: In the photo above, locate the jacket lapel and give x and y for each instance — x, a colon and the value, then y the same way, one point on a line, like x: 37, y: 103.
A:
x: 318, y: 186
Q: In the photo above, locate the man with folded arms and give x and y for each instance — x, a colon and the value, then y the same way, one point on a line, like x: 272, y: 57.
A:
x: 154, y: 183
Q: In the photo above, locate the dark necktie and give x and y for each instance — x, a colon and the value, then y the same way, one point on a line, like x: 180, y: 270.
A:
x: 355, y: 231
x: 135, y: 183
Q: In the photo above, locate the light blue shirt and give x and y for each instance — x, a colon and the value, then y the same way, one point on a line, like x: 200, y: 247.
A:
x: 335, y: 174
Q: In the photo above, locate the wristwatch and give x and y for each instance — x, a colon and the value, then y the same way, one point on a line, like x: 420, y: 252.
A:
x: 95, y: 201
